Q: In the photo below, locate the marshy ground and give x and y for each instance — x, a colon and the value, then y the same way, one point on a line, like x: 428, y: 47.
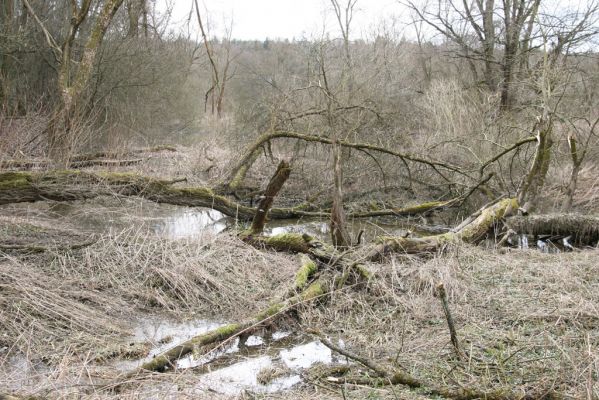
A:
x: 89, y: 289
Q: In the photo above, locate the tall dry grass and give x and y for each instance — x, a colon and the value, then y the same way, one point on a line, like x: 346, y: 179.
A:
x: 59, y: 312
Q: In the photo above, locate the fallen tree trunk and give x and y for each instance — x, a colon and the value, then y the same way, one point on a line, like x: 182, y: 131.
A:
x: 99, y: 158
x: 117, y: 154
x: 29, y: 164
x: 472, y: 232
x: 69, y: 185
x: 583, y: 229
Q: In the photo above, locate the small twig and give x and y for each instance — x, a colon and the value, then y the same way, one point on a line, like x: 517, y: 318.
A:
x: 452, y: 331
x: 367, y: 363
x: 176, y: 180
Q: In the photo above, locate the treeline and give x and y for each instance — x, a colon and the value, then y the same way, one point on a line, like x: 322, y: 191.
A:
x: 474, y: 81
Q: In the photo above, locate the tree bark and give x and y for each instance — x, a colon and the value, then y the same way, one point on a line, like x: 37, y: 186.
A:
x: 339, y: 233
x: 73, y: 86
x: 274, y: 186
x: 582, y: 229
x: 535, y: 179
x: 238, y: 173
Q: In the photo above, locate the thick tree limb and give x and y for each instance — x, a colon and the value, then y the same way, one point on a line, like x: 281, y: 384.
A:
x: 472, y: 232
x: 274, y: 186
x: 238, y: 173
x: 99, y: 158
x: 69, y: 185
x: 29, y: 164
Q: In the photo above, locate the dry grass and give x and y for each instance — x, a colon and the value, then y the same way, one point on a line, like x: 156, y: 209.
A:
x: 66, y: 308
x: 527, y: 320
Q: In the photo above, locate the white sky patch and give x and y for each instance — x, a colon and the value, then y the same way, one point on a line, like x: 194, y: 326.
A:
x: 313, y: 19
x: 283, y: 19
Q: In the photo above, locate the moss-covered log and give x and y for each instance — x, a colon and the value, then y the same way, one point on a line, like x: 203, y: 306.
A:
x: 472, y: 232
x: 31, y: 164
x: 306, y: 271
x: 69, y: 185
x: 117, y: 154
x: 99, y: 158
x: 168, y: 358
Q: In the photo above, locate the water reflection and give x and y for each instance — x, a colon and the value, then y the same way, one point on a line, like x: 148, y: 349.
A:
x: 190, y: 223
x: 114, y: 214
x: 243, y: 375
x: 266, y: 363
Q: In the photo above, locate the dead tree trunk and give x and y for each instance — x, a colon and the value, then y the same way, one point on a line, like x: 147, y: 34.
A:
x: 273, y: 188
x: 535, y: 179
x: 72, y: 86
x: 576, y: 163
x: 472, y: 232
x: 339, y: 232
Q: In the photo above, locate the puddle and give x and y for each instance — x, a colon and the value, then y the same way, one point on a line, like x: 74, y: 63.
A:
x: 263, y: 363
x: 283, y: 362
x: 543, y: 243
x: 243, y: 375
x: 189, y: 223
x: 113, y: 215
x: 306, y: 355
x: 162, y: 335
x: 17, y: 371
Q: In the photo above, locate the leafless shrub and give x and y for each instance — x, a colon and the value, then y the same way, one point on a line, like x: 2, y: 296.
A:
x: 23, y: 136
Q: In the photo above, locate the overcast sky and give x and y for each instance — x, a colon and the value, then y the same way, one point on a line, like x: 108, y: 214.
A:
x: 261, y: 19
x: 289, y: 19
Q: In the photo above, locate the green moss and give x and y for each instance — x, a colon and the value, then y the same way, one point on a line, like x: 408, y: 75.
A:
x: 307, y: 269
x: 119, y: 175
x: 227, y: 330
x: 199, y: 192
x: 289, y: 242
x: 385, y: 239
x: 473, y: 231
x: 217, y: 334
x: 373, y: 206
x: 362, y: 271
x: 314, y: 290
x: 14, y: 180
x: 270, y: 311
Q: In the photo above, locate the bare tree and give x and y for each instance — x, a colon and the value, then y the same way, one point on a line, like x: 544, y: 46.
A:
x: 478, y: 28
x: 219, y: 78
x: 137, y: 13
x: 345, y: 14
x: 72, y: 84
